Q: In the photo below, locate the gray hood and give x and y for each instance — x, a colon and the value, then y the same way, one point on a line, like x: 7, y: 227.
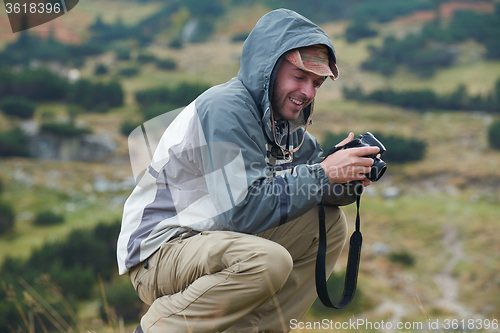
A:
x: 274, y: 34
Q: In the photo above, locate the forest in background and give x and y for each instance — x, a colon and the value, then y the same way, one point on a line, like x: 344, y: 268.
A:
x: 423, y: 75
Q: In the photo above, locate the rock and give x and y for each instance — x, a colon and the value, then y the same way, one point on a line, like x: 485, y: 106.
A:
x: 85, y: 148
x: 381, y: 248
x: 391, y: 192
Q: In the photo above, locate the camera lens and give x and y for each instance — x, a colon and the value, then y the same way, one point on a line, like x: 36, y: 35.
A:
x: 377, y: 170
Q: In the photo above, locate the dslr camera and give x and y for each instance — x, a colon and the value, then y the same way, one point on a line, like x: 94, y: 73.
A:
x: 369, y: 140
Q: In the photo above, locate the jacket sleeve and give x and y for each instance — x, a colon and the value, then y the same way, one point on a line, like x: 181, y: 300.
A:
x: 258, y: 200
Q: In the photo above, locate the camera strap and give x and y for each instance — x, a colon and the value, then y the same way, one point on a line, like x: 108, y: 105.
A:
x: 351, y: 276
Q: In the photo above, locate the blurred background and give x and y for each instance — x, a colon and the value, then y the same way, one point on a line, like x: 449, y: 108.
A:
x: 423, y: 75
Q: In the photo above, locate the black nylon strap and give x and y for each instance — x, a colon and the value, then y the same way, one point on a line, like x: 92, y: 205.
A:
x: 351, y: 276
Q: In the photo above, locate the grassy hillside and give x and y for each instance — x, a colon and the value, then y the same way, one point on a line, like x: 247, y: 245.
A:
x: 444, y: 215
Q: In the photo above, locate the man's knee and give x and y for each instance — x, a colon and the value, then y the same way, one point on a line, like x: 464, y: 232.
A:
x: 279, y: 265
x: 266, y: 267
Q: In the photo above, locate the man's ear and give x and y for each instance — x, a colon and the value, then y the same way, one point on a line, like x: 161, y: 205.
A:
x: 273, y: 75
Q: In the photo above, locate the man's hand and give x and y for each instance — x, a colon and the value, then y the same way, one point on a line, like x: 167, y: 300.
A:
x: 348, y: 164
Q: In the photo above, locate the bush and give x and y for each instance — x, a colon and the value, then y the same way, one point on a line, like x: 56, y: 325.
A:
x: 75, y: 281
x: 153, y: 111
x: 48, y: 217
x: 399, y: 149
x: 17, y: 106
x: 98, y: 96
x: 404, y: 258
x: 425, y: 99
x: 100, y: 69
x: 128, y: 126
x: 240, y: 37
x: 6, y: 218
x: 145, y: 58
x: 73, y: 263
x: 180, y: 95
x: 129, y: 71
x: 82, y: 249
x: 332, y: 139
x: 176, y: 43
x: 14, y: 143
x: 416, y: 53
x: 38, y: 85
x: 65, y: 130
x: 122, y: 54
x: 123, y: 301
x: 204, y: 29
x: 494, y: 135
x: 166, y: 64
x: 387, y: 10
x: 359, y: 30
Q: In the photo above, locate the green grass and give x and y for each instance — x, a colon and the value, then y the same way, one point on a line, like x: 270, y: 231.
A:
x: 417, y: 224
x: 67, y: 188
x: 80, y: 212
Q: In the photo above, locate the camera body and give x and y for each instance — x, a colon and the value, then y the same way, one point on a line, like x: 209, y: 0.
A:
x: 369, y: 140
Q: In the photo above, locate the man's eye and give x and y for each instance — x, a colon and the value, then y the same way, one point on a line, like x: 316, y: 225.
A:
x: 298, y: 77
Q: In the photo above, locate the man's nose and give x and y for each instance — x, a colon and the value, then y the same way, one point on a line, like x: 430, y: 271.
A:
x: 309, y: 90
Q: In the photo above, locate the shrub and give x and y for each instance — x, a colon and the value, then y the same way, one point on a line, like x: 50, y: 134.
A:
x: 494, y: 135
x: 17, y: 106
x: 75, y: 281
x: 204, y: 29
x: 128, y: 126
x: 129, y: 71
x: 100, y: 69
x: 358, y: 30
x: 73, y: 263
x: 166, y: 64
x: 14, y: 143
x: 145, y: 58
x: 123, y: 300
x: 98, y: 96
x: 48, y: 217
x: 65, y: 130
x: 122, y: 54
x: 240, y: 37
x: 404, y: 258
x: 38, y: 85
x: 332, y: 139
x: 180, y: 95
x: 153, y: 111
x: 399, y: 149
x: 176, y: 43
x: 6, y: 218
x: 414, y: 52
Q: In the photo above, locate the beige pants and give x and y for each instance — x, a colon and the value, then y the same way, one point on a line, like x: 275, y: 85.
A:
x: 233, y: 282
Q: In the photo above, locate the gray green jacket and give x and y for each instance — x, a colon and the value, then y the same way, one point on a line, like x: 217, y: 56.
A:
x: 213, y: 167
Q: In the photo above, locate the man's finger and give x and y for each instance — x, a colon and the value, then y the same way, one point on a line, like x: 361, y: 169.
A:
x: 349, y: 138
x: 363, y: 151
